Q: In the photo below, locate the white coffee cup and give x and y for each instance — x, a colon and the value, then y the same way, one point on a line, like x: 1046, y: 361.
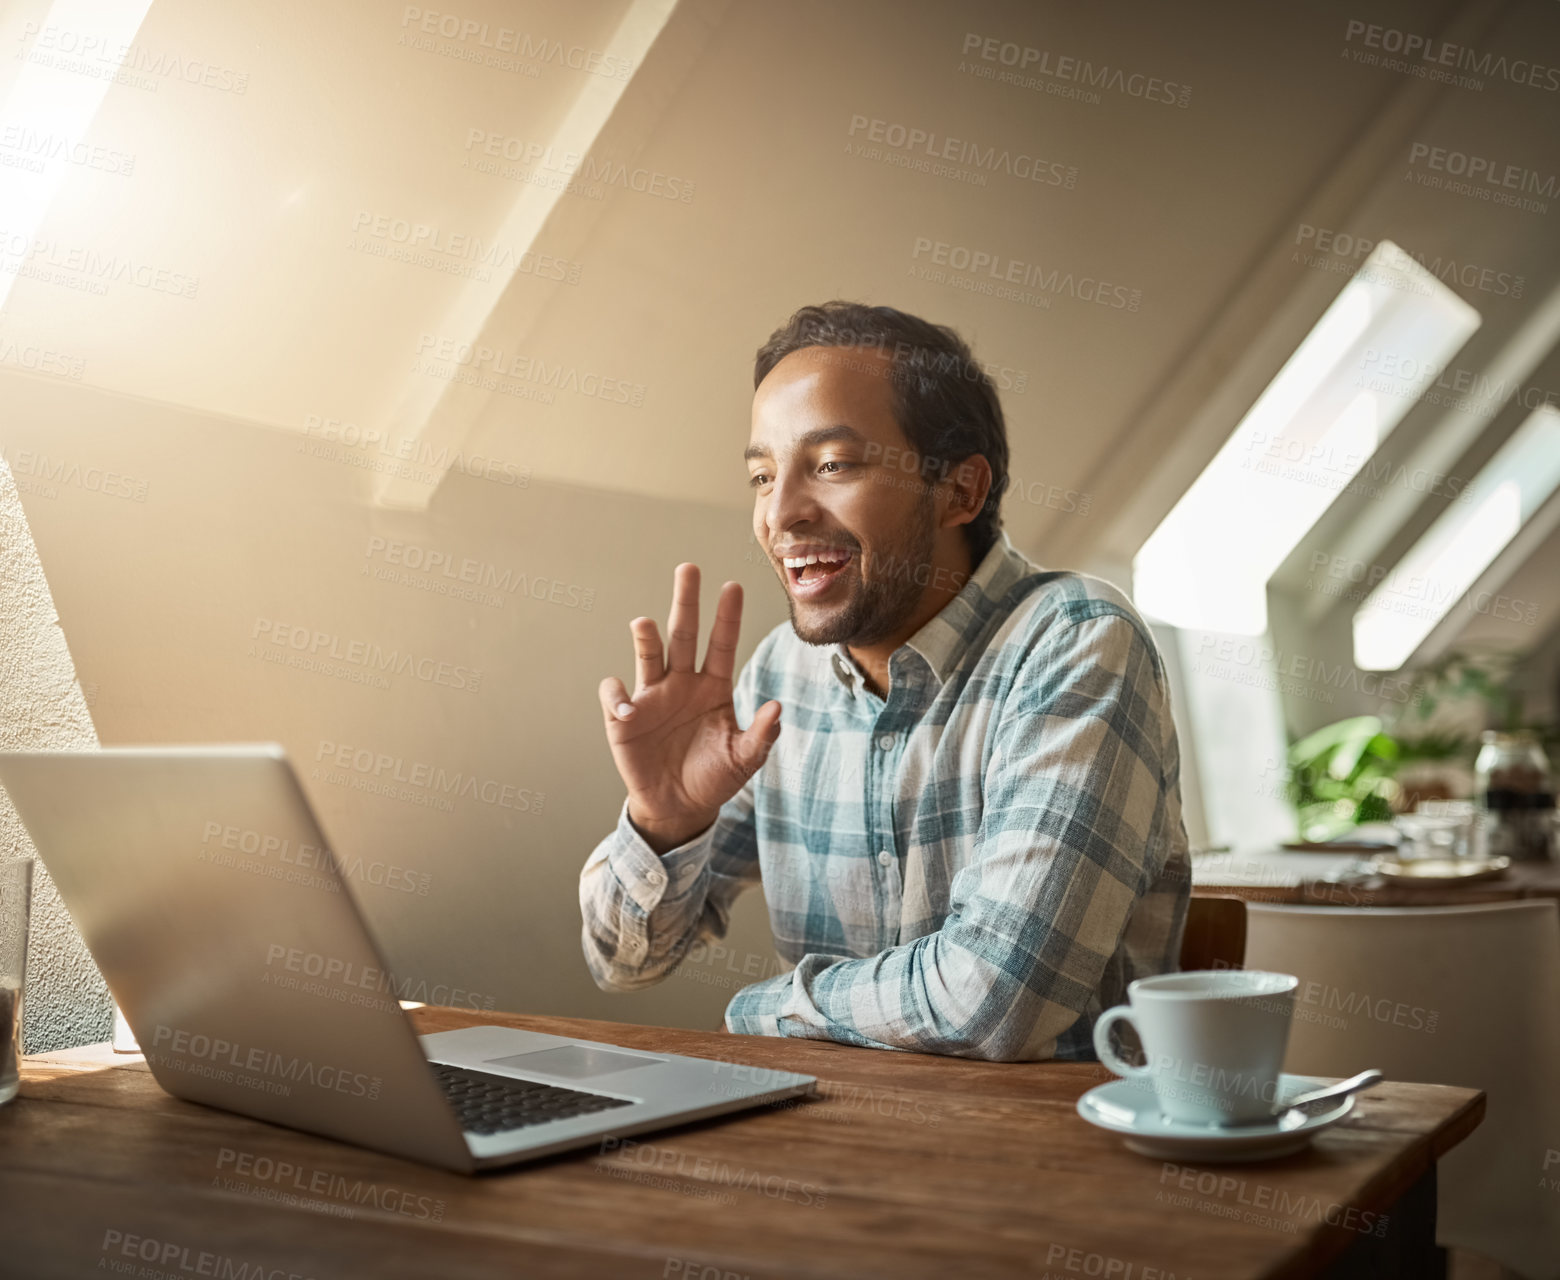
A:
x: 1214, y: 1040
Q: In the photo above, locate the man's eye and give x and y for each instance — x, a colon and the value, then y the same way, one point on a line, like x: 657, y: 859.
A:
x: 833, y: 463
x: 757, y: 480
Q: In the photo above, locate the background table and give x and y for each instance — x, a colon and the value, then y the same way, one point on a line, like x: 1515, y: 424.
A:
x: 1304, y: 879
x: 906, y: 1165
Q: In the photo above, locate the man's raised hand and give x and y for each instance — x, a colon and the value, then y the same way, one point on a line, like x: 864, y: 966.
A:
x: 676, y: 742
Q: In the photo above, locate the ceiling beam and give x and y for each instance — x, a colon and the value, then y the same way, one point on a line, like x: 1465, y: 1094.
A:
x: 608, y: 119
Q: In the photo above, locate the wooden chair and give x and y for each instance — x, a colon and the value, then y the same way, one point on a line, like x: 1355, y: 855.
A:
x: 1215, y: 936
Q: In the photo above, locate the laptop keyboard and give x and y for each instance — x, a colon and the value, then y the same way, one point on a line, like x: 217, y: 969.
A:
x: 486, y: 1103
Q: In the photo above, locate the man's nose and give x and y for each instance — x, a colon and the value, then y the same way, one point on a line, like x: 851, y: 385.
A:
x: 790, y: 502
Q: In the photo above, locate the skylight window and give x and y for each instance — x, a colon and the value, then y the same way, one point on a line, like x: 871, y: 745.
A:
x: 80, y: 46
x: 1463, y: 542
x: 1299, y: 446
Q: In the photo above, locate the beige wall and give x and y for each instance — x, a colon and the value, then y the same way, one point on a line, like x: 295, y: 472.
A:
x: 239, y: 532
x: 42, y: 707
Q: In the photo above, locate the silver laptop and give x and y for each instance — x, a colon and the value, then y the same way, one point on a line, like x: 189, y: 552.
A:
x: 207, y: 893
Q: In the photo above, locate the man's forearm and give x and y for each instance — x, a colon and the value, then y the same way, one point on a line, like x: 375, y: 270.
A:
x: 927, y: 996
x: 642, y: 908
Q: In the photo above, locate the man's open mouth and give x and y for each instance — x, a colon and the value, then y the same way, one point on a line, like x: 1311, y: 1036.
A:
x: 812, y: 573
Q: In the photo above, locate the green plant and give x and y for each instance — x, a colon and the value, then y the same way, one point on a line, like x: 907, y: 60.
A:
x: 1462, y: 674
x: 1345, y: 773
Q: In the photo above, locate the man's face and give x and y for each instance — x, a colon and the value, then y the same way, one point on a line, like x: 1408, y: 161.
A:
x: 823, y: 434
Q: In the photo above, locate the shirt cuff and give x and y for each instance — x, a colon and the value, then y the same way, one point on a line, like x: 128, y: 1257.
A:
x: 644, y: 874
x: 755, y: 1010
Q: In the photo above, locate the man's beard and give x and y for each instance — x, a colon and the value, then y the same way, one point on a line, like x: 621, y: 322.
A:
x: 881, y: 603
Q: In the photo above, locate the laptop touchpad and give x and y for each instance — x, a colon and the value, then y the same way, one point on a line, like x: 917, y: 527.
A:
x: 575, y: 1061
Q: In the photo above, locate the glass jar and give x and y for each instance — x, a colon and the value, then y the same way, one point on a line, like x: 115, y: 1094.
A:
x: 1516, y: 796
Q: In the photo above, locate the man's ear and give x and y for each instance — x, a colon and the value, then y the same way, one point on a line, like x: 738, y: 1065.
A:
x: 969, y: 482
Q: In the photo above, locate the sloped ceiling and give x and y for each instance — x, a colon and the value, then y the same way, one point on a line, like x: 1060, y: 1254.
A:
x: 378, y: 231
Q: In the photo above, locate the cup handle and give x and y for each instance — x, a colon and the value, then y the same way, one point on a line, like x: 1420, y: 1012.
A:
x: 1102, y: 1045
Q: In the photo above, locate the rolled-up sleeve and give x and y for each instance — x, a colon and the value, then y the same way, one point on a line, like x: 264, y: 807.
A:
x: 1073, y: 834
x: 642, y: 911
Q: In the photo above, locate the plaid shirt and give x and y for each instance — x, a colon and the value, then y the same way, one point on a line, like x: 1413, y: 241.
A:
x: 976, y: 865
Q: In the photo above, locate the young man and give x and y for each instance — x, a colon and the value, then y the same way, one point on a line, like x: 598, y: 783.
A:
x: 969, y: 832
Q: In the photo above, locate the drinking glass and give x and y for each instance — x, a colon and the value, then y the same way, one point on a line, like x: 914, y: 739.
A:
x: 1429, y: 835
x: 15, y: 908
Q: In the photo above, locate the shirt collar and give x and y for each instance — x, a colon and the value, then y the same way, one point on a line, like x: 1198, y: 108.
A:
x: 945, y: 638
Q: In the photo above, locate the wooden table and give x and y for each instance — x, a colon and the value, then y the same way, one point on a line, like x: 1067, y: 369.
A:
x: 906, y: 1165
x: 1303, y: 879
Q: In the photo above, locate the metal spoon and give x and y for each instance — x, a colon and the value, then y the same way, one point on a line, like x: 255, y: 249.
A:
x: 1305, y: 1106
x: 1336, y: 1092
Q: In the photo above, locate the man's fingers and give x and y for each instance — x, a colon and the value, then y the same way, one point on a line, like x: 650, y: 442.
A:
x: 614, y: 700
x: 649, y: 659
x: 760, y: 736
x: 683, y: 628
x: 721, y: 652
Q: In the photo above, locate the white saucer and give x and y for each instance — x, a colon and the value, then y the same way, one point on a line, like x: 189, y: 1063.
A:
x: 1129, y: 1108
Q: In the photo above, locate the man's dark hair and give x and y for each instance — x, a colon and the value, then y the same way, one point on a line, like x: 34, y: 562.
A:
x: 946, y: 404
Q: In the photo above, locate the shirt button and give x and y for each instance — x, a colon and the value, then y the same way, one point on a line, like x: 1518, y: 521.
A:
x: 656, y: 876
x: 885, y: 857
x: 886, y: 742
